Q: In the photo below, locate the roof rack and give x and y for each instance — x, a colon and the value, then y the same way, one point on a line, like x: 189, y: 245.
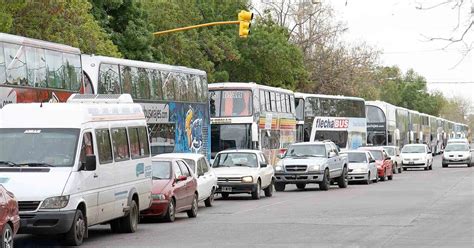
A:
x: 100, y: 98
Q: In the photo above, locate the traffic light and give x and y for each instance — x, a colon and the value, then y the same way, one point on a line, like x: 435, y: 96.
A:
x: 244, y: 26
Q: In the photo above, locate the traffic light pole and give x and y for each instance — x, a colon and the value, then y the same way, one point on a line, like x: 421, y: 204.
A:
x: 196, y: 26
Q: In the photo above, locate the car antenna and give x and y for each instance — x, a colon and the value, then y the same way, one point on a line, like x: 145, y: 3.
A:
x: 41, y: 104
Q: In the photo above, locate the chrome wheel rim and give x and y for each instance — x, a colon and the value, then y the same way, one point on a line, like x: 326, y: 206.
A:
x: 195, y: 205
x: 134, y: 216
x: 171, y: 210
x: 8, y: 238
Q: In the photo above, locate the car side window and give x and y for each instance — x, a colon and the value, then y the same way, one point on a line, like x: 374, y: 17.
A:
x: 204, y: 165
x: 177, y: 170
x: 87, y: 147
x: 335, y: 149
x: 184, y: 169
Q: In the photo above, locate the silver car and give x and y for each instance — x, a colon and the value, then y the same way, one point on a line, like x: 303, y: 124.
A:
x: 362, y: 167
x: 457, y: 153
x: 394, y: 153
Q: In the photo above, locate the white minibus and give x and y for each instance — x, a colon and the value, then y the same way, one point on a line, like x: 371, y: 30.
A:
x: 76, y: 164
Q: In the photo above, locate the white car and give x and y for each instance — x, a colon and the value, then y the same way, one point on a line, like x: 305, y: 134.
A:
x: 243, y: 171
x: 416, y: 156
x: 394, y: 153
x: 458, y: 140
x: 204, y: 174
x: 361, y: 167
x: 457, y: 153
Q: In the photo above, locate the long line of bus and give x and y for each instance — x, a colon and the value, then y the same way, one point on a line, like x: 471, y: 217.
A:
x: 185, y: 114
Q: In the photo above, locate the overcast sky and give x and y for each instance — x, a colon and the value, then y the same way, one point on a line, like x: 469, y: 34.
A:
x: 399, y: 29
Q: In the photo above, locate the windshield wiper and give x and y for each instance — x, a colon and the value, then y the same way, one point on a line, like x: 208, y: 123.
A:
x: 38, y: 164
x: 242, y: 165
x: 9, y: 163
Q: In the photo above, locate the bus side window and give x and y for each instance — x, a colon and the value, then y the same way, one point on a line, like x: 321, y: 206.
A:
x: 87, y: 147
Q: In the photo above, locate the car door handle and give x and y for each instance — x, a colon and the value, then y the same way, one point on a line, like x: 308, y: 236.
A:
x: 95, y: 175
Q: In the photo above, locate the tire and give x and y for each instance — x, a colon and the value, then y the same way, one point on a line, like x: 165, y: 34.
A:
x: 256, y: 193
x: 368, y: 181
x: 342, y: 180
x: 129, y: 223
x: 470, y: 164
x: 390, y: 177
x: 301, y: 185
x: 269, y: 190
x: 225, y: 196
x: 405, y: 168
x: 193, y: 212
x: 208, y: 202
x: 7, y: 237
x: 280, y: 187
x: 325, y: 184
x: 376, y: 180
x: 384, y: 177
x: 75, y: 235
x: 170, y: 215
x: 400, y: 170
x: 394, y: 169
x: 431, y: 166
x: 427, y: 168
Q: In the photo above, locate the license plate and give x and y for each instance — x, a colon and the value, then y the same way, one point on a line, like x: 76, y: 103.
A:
x: 226, y: 189
x: 411, y: 162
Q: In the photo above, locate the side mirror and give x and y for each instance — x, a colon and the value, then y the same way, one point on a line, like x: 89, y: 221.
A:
x: 181, y: 178
x: 280, y: 156
x: 429, y: 152
x: 372, y: 161
x: 331, y: 154
x: 263, y: 165
x: 388, y: 158
x: 90, y: 164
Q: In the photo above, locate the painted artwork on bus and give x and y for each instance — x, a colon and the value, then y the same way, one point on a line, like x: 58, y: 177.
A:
x: 25, y: 95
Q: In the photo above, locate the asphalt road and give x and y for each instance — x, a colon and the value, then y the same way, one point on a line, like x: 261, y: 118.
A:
x: 416, y: 209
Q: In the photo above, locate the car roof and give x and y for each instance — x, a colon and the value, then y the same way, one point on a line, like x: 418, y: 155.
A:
x: 311, y: 143
x: 193, y: 156
x: 356, y: 151
x: 415, y: 145
x: 371, y: 148
x: 240, y: 151
x: 156, y: 158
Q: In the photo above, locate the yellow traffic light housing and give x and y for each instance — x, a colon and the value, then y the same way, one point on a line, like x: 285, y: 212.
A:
x: 244, y: 26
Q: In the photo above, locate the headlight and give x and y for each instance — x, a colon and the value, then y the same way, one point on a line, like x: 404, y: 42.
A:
x: 247, y: 179
x: 314, y: 167
x: 158, y: 196
x: 55, y: 202
x: 278, y: 168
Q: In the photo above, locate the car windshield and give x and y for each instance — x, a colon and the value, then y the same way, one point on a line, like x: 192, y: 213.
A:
x: 357, y: 157
x: 456, y: 147
x: 161, y: 170
x: 191, y: 164
x: 377, y: 154
x: 51, y: 147
x: 235, y: 159
x: 312, y: 150
x: 390, y: 151
x: 413, y: 149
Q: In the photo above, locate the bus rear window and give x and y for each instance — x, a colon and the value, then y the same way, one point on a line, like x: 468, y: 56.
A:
x: 230, y: 103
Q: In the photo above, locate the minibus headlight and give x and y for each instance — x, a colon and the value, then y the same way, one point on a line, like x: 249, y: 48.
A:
x: 55, y: 202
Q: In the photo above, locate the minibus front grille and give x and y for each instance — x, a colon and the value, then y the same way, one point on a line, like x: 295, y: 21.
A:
x: 28, y: 205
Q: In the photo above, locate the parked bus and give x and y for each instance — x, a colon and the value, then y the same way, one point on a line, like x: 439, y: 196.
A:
x: 382, y: 123
x: 174, y: 99
x: 340, y: 119
x: 38, y: 71
x: 251, y: 116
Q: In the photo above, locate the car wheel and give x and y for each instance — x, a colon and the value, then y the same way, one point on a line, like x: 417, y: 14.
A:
x: 301, y: 185
x: 390, y: 177
x: 368, y: 181
x: 7, y: 237
x: 431, y: 166
x: 75, y: 235
x: 193, y: 212
x: 256, y: 193
x: 208, y: 202
x: 269, y: 190
x: 324, y: 185
x: 394, y: 169
x: 225, y: 195
x: 405, y: 168
x: 280, y: 187
x: 400, y: 169
x: 342, y: 180
x: 376, y: 180
x: 469, y: 164
x: 171, y: 212
x: 384, y: 177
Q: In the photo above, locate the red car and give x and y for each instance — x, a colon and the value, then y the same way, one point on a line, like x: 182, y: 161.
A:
x: 174, y: 189
x: 9, y: 218
x: 383, y: 162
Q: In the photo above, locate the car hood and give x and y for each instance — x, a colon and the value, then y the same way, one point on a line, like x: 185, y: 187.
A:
x: 234, y: 171
x: 354, y: 166
x: 457, y: 153
x: 413, y: 155
x: 303, y: 161
x: 160, y: 185
x: 35, y: 184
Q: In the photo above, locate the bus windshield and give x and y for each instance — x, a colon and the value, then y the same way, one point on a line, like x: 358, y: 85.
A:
x: 51, y: 147
x: 338, y: 137
x: 225, y: 137
x: 230, y: 103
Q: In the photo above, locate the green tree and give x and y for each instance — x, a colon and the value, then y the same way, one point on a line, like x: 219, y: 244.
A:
x: 127, y: 23
x: 66, y: 22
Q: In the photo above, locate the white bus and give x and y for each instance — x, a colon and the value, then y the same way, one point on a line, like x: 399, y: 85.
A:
x: 76, y: 164
x: 251, y: 116
x: 340, y: 119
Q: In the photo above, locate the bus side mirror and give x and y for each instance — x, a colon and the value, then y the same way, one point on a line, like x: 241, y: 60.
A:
x: 90, y: 164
